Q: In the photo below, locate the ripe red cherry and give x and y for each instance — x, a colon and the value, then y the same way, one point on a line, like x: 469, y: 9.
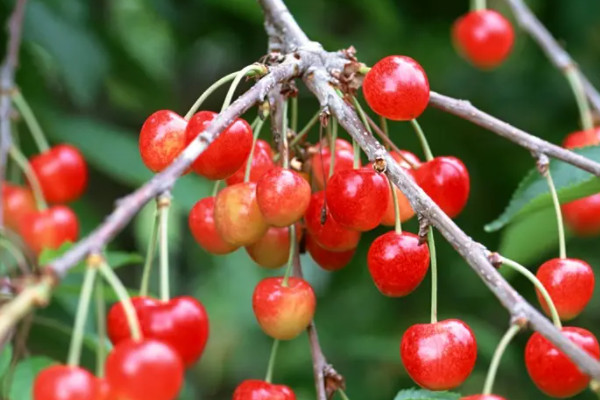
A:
x: 282, y: 196
x: 253, y: 389
x: 483, y: 397
x: 320, y: 163
x: 237, y: 217
x: 50, y: 228
x: 590, y: 137
x: 262, y: 161
x: 446, y: 181
x: 328, y: 260
x: 570, y: 284
x: 552, y: 371
x: 17, y: 202
x: 484, y: 37
x: 397, y: 88
x: 202, y: 225
x: 439, y: 356
x: 272, y: 250
x: 226, y: 153
x: 283, y: 312
x: 61, y: 382
x: 162, y: 138
x: 181, y: 323
x: 397, y: 263
x: 62, y: 173
x: 330, y: 235
x: 357, y: 198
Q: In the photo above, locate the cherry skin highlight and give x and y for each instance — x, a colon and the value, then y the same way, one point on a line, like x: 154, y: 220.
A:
x: 283, y: 312
x: 61, y: 382
x: 397, y: 263
x: 439, y: 356
x: 326, y: 259
x: 484, y: 37
x: 357, y: 198
x: 17, y: 202
x: 262, y: 162
x: 226, y: 153
x: 253, y: 389
x: 570, y: 284
x: 201, y: 222
x: 272, y: 250
x: 320, y: 163
x: 446, y: 180
x: 50, y: 228
x: 162, y: 139
x: 397, y: 88
x: 483, y: 397
x: 552, y: 371
x: 282, y: 196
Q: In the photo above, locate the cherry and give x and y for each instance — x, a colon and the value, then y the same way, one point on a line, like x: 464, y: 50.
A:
x: 181, y: 323
x: 397, y: 88
x: 590, y: 137
x: 62, y: 173
x: 283, y: 312
x: 202, y: 225
x: 552, y: 371
x: 17, y: 202
x: 162, y: 138
x: 253, y: 389
x: 282, y: 196
x: 570, y: 283
x: 326, y: 259
x: 226, y: 153
x: 398, y: 263
x: 320, y: 163
x: 237, y: 217
x: 330, y: 235
x: 357, y: 198
x: 483, y: 397
x: 272, y: 250
x: 49, y: 228
x: 262, y: 161
x: 446, y: 181
x: 104, y: 392
x: 484, y: 37
x: 62, y: 382
x: 439, y: 356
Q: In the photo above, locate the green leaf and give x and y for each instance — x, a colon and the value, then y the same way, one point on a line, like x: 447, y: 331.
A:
x: 533, y: 194
x: 5, y: 358
x: 24, y: 375
x: 47, y: 255
x: 422, y: 394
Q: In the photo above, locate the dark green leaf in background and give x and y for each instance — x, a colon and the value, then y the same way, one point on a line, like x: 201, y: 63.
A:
x: 22, y: 379
x: 422, y: 394
x: 5, y: 358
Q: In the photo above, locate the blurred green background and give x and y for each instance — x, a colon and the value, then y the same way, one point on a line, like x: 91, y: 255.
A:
x: 94, y: 70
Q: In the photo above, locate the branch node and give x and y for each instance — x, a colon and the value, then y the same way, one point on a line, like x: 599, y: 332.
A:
x: 495, y: 259
x: 424, y: 226
x: 380, y: 165
x: 542, y: 163
x: 164, y: 199
x: 521, y: 321
x: 333, y: 380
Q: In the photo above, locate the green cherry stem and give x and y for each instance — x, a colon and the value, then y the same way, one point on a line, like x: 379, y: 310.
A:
x: 101, y: 328
x: 218, y: 183
x: 294, y: 114
x: 478, y: 5
x: 422, y: 139
x: 332, y: 129
x: 343, y: 394
x: 250, y: 69
x: 585, y: 113
x: 81, y: 316
x: 434, y: 277
x: 306, y: 129
x: 385, y: 130
x: 290, y: 262
x: 14, y: 251
x: 397, y: 219
x: 163, y: 204
x: 32, y: 123
x: 562, y: 246
x: 285, y: 151
x: 20, y: 159
x: 504, y: 342
x: 256, y: 128
x: 272, y: 358
x: 150, y: 252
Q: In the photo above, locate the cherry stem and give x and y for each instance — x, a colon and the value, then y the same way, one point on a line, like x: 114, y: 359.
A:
x: 306, y: 129
x: 164, y: 203
x: 20, y: 159
x: 585, y: 113
x: 562, y: 246
x: 538, y: 285
x: 478, y: 5
x: 116, y: 285
x: 434, y: 284
x: 356, y: 149
x: 236, y: 81
x: 150, y: 252
x: 14, y: 251
x: 294, y: 114
x: 32, y: 123
x: 100, y: 328
x: 81, y: 316
x: 272, y: 358
x: 332, y: 130
x: 385, y: 130
x: 290, y: 262
x: 257, y: 126
x: 397, y: 219
x: 502, y: 345
x: 422, y: 139
x: 285, y: 151
x: 391, y: 144
x: 217, y: 185
x: 343, y: 394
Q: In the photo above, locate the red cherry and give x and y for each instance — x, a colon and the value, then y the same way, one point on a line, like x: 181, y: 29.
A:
x: 552, y: 371
x: 328, y: 260
x: 570, y: 284
x: 17, y: 202
x: 226, y: 153
x: 181, y: 323
x: 62, y: 173
x: 357, y: 198
x: 283, y: 312
x: 148, y: 370
x: 50, y: 228
x: 283, y: 196
x: 397, y: 88
x: 272, y: 250
x: 439, y: 356
x: 237, y: 217
x: 260, y: 390
x: 330, y: 235
x: 104, y: 392
x: 446, y: 181
x: 262, y: 161
x: 202, y: 225
x: 483, y: 397
x: 61, y: 382
x: 162, y: 138
x: 579, y: 139
x: 397, y: 263
x: 320, y: 163
x: 484, y: 37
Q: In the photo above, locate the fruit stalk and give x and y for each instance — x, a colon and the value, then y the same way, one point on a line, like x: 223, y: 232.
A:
x: 562, y: 246
x: 422, y: 139
x: 32, y: 123
x: 272, y: 358
x: 100, y: 328
x: 20, y: 159
x: 397, y: 216
x: 434, y: 284
x: 585, y: 112
x: 164, y: 204
x: 150, y: 254
x: 81, y: 316
x: 256, y: 127
x: 504, y: 342
x: 478, y: 5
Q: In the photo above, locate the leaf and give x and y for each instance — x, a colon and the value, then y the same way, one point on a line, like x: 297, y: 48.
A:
x: 24, y: 375
x: 533, y: 194
x: 5, y: 358
x: 422, y: 394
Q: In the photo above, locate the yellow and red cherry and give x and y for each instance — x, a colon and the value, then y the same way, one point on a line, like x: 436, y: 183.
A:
x: 262, y: 161
x: 326, y: 259
x: 17, y: 202
x: 49, y: 228
x: 272, y: 250
x: 282, y: 196
x: 162, y: 139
